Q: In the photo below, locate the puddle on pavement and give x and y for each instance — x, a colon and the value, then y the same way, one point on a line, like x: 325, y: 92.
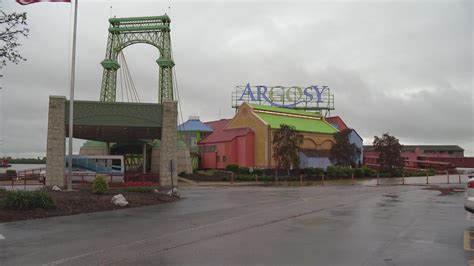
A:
x: 445, y: 191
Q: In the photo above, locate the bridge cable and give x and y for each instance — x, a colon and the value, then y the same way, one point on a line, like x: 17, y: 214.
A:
x: 127, y: 81
x: 177, y: 88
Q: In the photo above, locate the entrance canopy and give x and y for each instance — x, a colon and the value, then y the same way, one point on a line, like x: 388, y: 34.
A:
x: 115, y: 121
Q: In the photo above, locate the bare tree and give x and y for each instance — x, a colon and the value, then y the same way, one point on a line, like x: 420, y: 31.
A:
x: 12, y: 27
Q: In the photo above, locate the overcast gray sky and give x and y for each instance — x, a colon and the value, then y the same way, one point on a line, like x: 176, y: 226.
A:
x: 403, y: 67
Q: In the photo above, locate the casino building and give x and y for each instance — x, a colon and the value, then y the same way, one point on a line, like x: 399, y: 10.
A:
x: 246, y: 139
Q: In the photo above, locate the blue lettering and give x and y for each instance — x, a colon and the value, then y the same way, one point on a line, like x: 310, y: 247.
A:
x: 318, y: 93
x: 262, y: 93
x: 309, y: 96
x: 248, y: 91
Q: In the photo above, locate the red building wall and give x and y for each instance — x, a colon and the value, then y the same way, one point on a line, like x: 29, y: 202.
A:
x: 239, y: 151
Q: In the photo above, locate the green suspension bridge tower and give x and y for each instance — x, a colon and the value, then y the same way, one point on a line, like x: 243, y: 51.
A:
x: 127, y: 31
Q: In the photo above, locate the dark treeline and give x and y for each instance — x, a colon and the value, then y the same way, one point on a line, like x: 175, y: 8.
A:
x: 37, y: 160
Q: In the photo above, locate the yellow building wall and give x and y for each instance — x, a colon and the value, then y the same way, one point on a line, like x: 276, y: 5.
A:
x: 264, y: 135
x: 246, y: 118
x: 310, y: 141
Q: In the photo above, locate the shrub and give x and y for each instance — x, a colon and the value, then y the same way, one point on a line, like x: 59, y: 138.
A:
x: 232, y: 167
x: 243, y: 170
x: 140, y: 189
x: 258, y: 172
x: 334, y: 171
x: 359, y: 172
x: 205, y: 173
x: 11, y: 172
x: 100, y: 185
x: 245, y: 178
x: 318, y: 171
x: 369, y: 172
x: 25, y: 200
x: 182, y: 173
x: 346, y: 172
x: 266, y: 178
x: 308, y: 171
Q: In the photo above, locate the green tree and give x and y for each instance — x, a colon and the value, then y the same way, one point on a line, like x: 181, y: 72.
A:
x: 12, y: 26
x: 343, y: 153
x: 390, y: 149
x: 286, y: 142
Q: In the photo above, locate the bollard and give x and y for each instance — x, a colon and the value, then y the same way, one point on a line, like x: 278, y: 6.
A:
x: 322, y: 179
x: 301, y: 180
x: 403, y: 178
x: 352, y: 179
x: 427, y: 178
x: 459, y: 178
x: 232, y: 178
x: 256, y: 178
x: 378, y: 179
x: 447, y: 176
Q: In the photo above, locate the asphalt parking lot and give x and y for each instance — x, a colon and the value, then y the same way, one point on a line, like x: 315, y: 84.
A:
x: 314, y: 225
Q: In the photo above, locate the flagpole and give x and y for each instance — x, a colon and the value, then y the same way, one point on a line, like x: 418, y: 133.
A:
x: 71, y: 99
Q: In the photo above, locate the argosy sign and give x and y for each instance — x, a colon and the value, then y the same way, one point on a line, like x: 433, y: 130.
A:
x: 284, y: 96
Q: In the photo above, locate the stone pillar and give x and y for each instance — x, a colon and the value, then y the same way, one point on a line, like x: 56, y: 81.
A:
x: 155, y: 160
x: 56, y: 142
x: 168, y: 144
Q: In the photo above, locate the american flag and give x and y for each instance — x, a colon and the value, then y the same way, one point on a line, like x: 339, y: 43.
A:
x: 27, y: 2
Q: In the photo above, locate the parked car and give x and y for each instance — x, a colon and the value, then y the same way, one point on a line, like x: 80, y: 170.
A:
x: 469, y: 195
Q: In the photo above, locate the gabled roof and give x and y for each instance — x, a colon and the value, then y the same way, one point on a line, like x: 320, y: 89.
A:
x: 301, y: 120
x: 194, y: 124
x: 220, y: 134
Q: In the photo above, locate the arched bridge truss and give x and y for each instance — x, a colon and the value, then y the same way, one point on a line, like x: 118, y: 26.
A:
x: 127, y: 31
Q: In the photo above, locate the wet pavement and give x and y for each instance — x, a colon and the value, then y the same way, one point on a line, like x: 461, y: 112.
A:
x: 312, y: 225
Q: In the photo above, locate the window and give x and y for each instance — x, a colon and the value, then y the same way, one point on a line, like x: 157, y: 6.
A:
x: 224, y: 158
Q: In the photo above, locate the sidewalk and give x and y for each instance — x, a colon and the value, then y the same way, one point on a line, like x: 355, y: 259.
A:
x: 420, y: 180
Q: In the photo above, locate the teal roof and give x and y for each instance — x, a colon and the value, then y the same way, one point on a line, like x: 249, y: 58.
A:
x: 195, y: 125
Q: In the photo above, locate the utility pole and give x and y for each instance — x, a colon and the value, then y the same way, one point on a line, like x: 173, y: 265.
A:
x: 71, y: 99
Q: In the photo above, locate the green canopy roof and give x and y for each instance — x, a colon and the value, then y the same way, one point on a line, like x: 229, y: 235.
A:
x: 275, y: 116
x: 283, y: 110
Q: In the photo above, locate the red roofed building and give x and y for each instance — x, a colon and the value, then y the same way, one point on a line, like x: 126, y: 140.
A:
x: 337, y: 122
x: 227, y: 146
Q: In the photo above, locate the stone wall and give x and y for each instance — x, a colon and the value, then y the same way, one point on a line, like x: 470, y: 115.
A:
x: 155, y: 160
x: 169, y: 136
x: 184, y: 161
x: 56, y: 142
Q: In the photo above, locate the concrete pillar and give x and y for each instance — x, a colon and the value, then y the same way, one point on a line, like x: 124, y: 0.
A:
x: 168, y: 144
x: 56, y: 142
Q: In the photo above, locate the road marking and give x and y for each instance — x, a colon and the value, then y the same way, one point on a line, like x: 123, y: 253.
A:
x: 2, y: 237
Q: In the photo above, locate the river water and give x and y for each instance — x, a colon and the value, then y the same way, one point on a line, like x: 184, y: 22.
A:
x: 19, y: 167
